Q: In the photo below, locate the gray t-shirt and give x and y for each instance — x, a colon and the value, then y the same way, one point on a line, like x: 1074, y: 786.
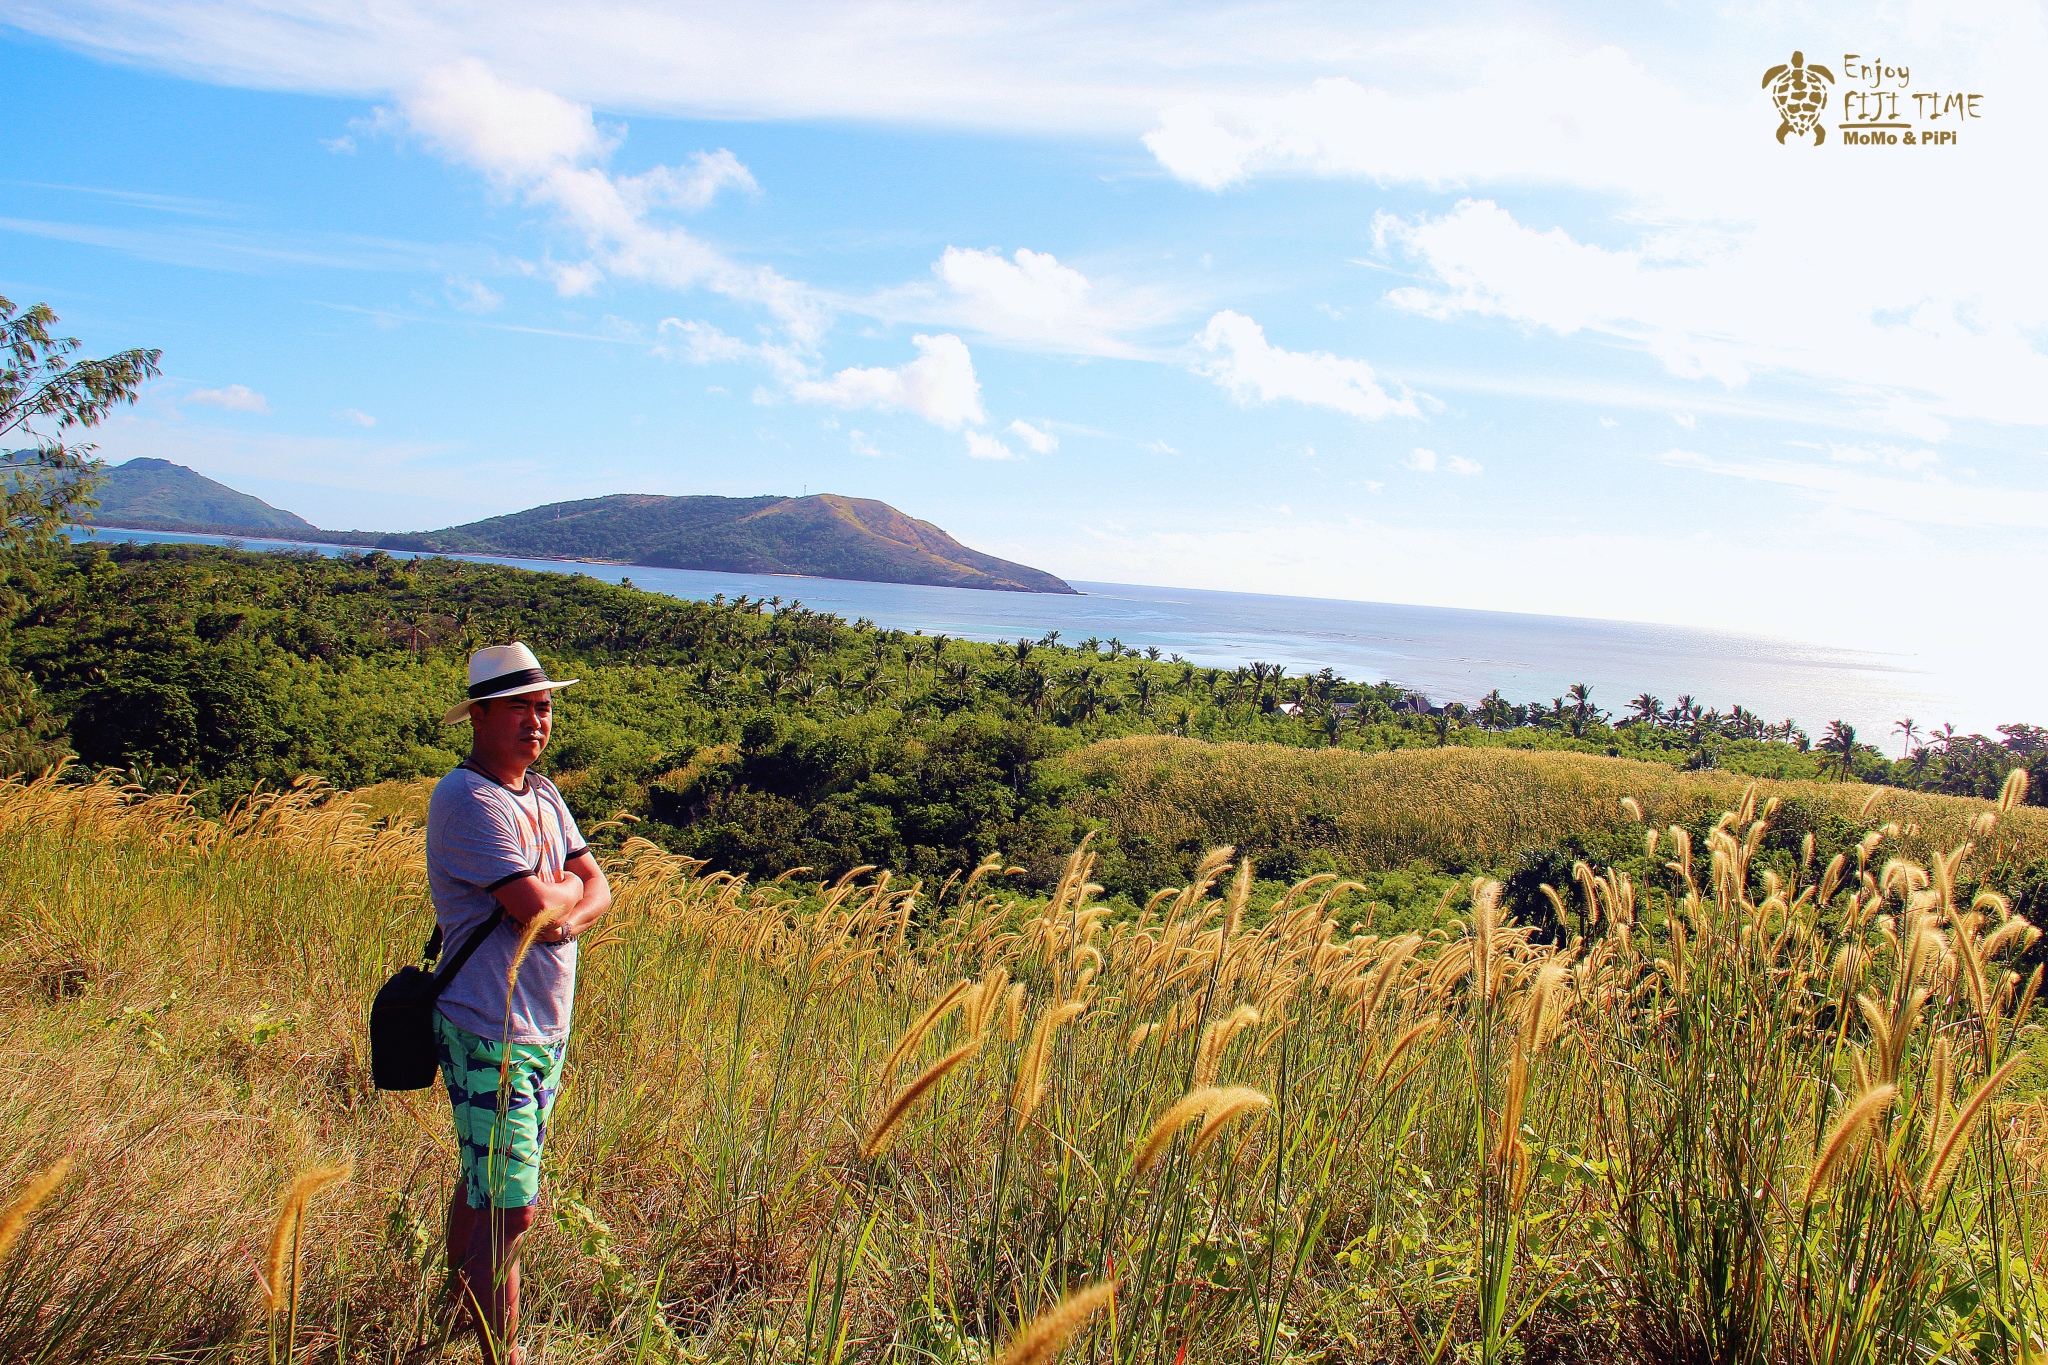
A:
x: 482, y: 834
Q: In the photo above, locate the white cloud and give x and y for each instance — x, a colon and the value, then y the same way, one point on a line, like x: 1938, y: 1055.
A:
x: 1159, y: 448
x: 1609, y: 422
x: 1040, y: 440
x: 344, y: 145
x: 1927, y: 500
x: 689, y: 191
x: 471, y: 296
x: 700, y: 343
x: 1516, y: 108
x: 356, y: 417
x: 1730, y: 304
x: 984, y: 447
x: 515, y: 134
x: 1008, y: 64
x: 938, y: 386
x: 1028, y: 299
x: 861, y: 445
x: 1032, y: 289
x: 549, y: 151
x: 235, y: 398
x: 1251, y: 369
x: 1897, y: 457
x: 1427, y: 462
x: 573, y: 279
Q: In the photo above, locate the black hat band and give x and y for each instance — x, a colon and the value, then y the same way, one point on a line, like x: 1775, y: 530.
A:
x: 506, y: 681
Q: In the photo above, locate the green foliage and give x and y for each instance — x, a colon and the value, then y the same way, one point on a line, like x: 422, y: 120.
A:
x: 43, y: 394
x: 766, y: 735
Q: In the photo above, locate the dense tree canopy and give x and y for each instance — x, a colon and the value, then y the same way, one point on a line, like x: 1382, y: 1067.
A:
x: 761, y: 734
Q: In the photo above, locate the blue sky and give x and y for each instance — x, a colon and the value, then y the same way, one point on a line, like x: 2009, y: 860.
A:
x: 1513, y: 307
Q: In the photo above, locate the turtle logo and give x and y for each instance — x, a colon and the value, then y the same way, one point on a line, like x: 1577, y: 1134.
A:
x: 1800, y: 96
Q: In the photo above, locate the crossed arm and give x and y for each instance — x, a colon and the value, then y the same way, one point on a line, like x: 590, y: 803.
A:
x: 579, y: 899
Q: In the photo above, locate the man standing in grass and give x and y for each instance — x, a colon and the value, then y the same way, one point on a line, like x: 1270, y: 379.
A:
x: 503, y: 851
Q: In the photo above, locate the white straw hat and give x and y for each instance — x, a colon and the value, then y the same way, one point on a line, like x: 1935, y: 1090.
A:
x: 502, y: 671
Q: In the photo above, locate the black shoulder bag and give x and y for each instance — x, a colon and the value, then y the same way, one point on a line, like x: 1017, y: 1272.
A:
x: 402, y: 1051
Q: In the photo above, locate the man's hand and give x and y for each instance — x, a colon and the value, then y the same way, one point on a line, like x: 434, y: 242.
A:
x: 528, y: 898
x: 578, y: 896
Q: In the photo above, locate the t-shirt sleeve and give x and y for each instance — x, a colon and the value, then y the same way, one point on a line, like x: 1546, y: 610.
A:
x: 573, y: 842
x: 475, y: 843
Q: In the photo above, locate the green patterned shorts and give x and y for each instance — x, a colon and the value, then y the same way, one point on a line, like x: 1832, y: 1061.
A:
x: 500, y: 1152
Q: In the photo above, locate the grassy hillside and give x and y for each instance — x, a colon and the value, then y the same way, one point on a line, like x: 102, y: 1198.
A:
x: 158, y: 493
x: 1163, y: 800
x: 1649, y: 1147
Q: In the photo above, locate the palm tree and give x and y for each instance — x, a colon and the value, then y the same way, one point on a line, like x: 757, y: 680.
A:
x: 1646, y: 708
x: 1909, y: 731
x: 1583, y: 710
x: 1034, y: 689
x: 1840, y: 739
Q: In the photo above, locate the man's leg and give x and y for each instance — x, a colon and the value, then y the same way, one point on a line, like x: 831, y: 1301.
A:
x: 501, y: 1113
x: 461, y: 1218
x: 490, y: 1277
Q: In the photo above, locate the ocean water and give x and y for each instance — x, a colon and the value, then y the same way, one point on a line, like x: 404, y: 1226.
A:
x: 1448, y: 654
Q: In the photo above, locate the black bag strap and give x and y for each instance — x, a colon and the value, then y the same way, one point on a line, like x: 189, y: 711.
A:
x: 475, y: 941
x: 433, y: 950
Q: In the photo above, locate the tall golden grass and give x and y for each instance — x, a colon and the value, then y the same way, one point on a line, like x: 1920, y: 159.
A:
x: 1460, y: 807
x: 1803, y: 1122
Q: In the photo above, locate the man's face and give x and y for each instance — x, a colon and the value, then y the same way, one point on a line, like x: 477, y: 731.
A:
x: 515, y: 728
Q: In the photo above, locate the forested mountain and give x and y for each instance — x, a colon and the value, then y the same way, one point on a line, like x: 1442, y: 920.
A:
x: 821, y: 536
x: 824, y: 535
x: 167, y: 494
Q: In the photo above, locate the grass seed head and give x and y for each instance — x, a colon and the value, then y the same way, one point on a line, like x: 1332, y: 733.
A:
x: 39, y: 1188
x: 278, y: 1264
x: 1229, y: 1104
x: 1848, y: 1133
x: 912, y: 1036
x: 1183, y: 1111
x: 1958, y: 1131
x: 883, y: 1133
x: 1042, y: 1338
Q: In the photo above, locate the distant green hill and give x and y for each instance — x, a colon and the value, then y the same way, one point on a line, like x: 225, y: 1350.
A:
x: 821, y: 536
x: 167, y: 495
x: 824, y: 535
